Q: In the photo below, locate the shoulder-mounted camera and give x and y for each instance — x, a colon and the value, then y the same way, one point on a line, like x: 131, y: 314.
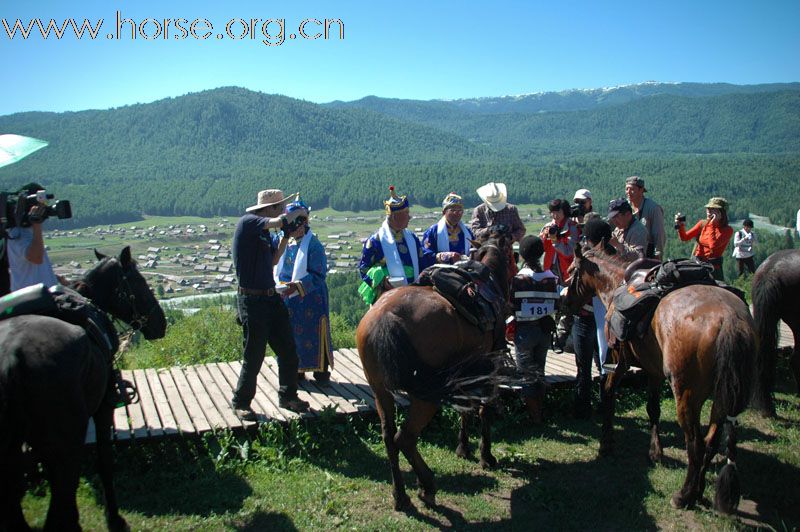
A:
x: 15, y: 208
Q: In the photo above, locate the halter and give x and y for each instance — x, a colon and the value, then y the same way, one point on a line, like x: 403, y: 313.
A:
x: 124, y: 292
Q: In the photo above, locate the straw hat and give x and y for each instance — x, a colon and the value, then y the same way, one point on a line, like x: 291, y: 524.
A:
x: 272, y: 196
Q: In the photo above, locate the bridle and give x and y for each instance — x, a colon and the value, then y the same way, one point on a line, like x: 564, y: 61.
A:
x: 124, y: 292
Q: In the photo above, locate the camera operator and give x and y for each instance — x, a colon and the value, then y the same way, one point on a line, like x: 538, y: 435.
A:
x: 581, y: 206
x: 559, y: 237
x: 712, y: 234
x: 28, y: 263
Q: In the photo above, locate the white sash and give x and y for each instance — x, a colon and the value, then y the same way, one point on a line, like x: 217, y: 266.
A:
x: 443, y: 238
x: 300, y: 261
x: 392, y: 256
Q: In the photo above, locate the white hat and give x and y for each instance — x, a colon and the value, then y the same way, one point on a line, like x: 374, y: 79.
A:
x: 269, y: 197
x: 582, y: 193
x: 494, y: 195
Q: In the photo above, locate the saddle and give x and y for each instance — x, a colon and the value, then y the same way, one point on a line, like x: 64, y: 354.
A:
x: 635, y: 302
x: 468, y: 285
x: 68, y: 305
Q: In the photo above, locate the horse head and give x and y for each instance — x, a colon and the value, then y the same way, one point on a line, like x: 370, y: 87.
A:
x: 582, y: 282
x: 117, y: 287
x: 493, y: 250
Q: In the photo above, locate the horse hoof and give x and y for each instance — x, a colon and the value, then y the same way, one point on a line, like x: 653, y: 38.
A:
x: 462, y: 451
x: 117, y: 524
x: 402, y: 503
x: 488, y: 462
x: 428, y: 498
x: 679, y: 501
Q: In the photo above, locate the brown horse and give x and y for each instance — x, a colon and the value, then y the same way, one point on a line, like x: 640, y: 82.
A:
x: 703, y: 340
x: 776, y: 292
x: 413, y: 339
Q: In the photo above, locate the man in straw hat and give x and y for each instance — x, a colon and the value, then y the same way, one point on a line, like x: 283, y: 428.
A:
x: 448, y: 240
x: 263, y: 315
x: 392, y: 256
x: 495, y: 210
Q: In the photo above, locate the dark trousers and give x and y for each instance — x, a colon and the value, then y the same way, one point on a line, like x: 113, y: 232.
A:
x: 746, y: 264
x: 531, y: 342
x: 584, y: 336
x: 265, y: 320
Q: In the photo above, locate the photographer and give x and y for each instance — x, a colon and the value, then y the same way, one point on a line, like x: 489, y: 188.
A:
x: 28, y: 263
x: 712, y: 234
x: 559, y: 237
x: 581, y: 206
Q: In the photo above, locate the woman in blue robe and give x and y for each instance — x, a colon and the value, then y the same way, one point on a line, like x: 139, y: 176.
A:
x: 302, y: 270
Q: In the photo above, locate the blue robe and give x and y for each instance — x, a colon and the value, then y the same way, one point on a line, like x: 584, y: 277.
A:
x: 309, y: 310
x: 430, y: 242
x: 372, y: 255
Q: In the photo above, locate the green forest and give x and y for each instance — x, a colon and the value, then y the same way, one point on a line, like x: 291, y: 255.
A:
x: 208, y: 153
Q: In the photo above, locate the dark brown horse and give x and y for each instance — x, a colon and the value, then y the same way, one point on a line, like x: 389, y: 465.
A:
x: 776, y: 296
x: 53, y: 378
x: 413, y: 339
x: 703, y: 340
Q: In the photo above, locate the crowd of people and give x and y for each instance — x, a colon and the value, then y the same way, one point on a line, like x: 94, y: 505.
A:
x: 281, y: 267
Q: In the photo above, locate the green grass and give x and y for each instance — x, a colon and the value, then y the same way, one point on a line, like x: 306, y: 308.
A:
x: 332, y: 474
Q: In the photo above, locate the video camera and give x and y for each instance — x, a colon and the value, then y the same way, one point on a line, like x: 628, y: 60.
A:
x: 15, y: 208
x: 577, y: 210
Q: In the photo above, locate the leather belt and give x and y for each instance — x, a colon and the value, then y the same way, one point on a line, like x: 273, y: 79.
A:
x: 257, y: 291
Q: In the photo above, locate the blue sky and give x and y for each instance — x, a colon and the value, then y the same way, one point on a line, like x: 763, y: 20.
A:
x: 410, y: 49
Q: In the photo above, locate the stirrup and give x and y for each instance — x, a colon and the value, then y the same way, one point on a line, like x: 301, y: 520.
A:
x: 610, y: 367
x: 126, y: 393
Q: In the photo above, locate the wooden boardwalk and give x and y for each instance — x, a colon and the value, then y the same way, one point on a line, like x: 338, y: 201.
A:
x: 193, y: 400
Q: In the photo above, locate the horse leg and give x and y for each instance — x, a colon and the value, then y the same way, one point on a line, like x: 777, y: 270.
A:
x: 103, y: 421
x: 689, y: 420
x: 463, y: 450
x: 712, y: 445
x: 608, y: 390
x: 654, y: 415
x: 63, y: 467
x: 488, y: 461
x: 12, y: 487
x: 384, y: 404
x: 419, y: 415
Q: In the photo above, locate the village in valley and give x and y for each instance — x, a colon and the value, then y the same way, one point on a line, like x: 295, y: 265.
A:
x: 184, y: 256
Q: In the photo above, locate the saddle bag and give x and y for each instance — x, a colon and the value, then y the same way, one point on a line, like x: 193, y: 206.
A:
x: 634, y: 306
x: 684, y: 272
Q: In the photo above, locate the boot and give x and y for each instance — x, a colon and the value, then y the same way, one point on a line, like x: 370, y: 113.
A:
x: 533, y: 405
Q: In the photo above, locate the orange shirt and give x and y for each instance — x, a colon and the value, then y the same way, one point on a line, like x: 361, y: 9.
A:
x: 711, y: 239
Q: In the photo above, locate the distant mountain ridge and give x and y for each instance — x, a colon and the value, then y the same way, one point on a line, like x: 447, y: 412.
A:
x: 566, y: 100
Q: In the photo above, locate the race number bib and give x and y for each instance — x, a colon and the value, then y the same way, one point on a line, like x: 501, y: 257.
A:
x: 534, y: 309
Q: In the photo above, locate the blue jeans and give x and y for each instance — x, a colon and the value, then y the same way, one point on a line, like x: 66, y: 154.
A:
x: 531, y: 342
x: 265, y: 320
x: 584, y: 337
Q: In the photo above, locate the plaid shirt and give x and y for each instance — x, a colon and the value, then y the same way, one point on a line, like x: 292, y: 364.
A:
x: 483, y: 217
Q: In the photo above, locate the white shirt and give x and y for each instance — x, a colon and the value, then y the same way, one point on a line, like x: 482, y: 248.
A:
x: 23, y: 272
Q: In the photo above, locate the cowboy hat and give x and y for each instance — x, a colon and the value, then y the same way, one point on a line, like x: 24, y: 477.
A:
x: 494, y: 195
x: 272, y: 196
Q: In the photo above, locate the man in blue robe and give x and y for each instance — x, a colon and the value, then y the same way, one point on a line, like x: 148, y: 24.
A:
x: 448, y: 240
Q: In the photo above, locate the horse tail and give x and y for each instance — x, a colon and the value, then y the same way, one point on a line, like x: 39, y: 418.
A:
x: 736, y: 346
x: 766, y: 295
x: 393, y: 350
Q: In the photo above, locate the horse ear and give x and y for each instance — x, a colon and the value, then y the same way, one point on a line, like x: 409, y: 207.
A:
x: 125, y: 256
x: 578, y: 251
x: 99, y: 255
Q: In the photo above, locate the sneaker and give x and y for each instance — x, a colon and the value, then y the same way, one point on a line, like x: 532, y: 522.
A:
x: 245, y: 414
x: 295, y: 404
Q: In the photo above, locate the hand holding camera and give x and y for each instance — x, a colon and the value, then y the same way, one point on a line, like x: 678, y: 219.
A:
x: 680, y: 219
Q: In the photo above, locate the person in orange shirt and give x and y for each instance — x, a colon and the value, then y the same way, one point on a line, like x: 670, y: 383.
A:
x: 712, y: 234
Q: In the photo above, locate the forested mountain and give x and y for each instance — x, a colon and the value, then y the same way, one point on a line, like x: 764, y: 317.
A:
x: 209, y: 153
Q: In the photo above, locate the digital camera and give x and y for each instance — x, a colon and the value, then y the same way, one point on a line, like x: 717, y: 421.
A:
x: 679, y: 218
x: 577, y: 210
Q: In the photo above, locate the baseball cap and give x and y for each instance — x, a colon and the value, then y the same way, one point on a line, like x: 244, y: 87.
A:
x: 617, y: 206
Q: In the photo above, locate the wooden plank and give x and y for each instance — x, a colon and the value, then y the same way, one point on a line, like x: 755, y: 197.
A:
x: 219, y: 398
x: 329, y: 395
x: 264, y: 405
x: 354, y: 371
x: 271, y: 366
x: 122, y: 429
x: 271, y: 378
x: 181, y: 415
x: 786, y: 335
x: 168, y: 423
x: 152, y: 421
x: 209, y: 408
x: 193, y: 408
x: 135, y: 413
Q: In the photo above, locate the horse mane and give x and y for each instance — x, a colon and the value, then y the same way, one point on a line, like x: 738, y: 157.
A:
x: 611, y: 267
